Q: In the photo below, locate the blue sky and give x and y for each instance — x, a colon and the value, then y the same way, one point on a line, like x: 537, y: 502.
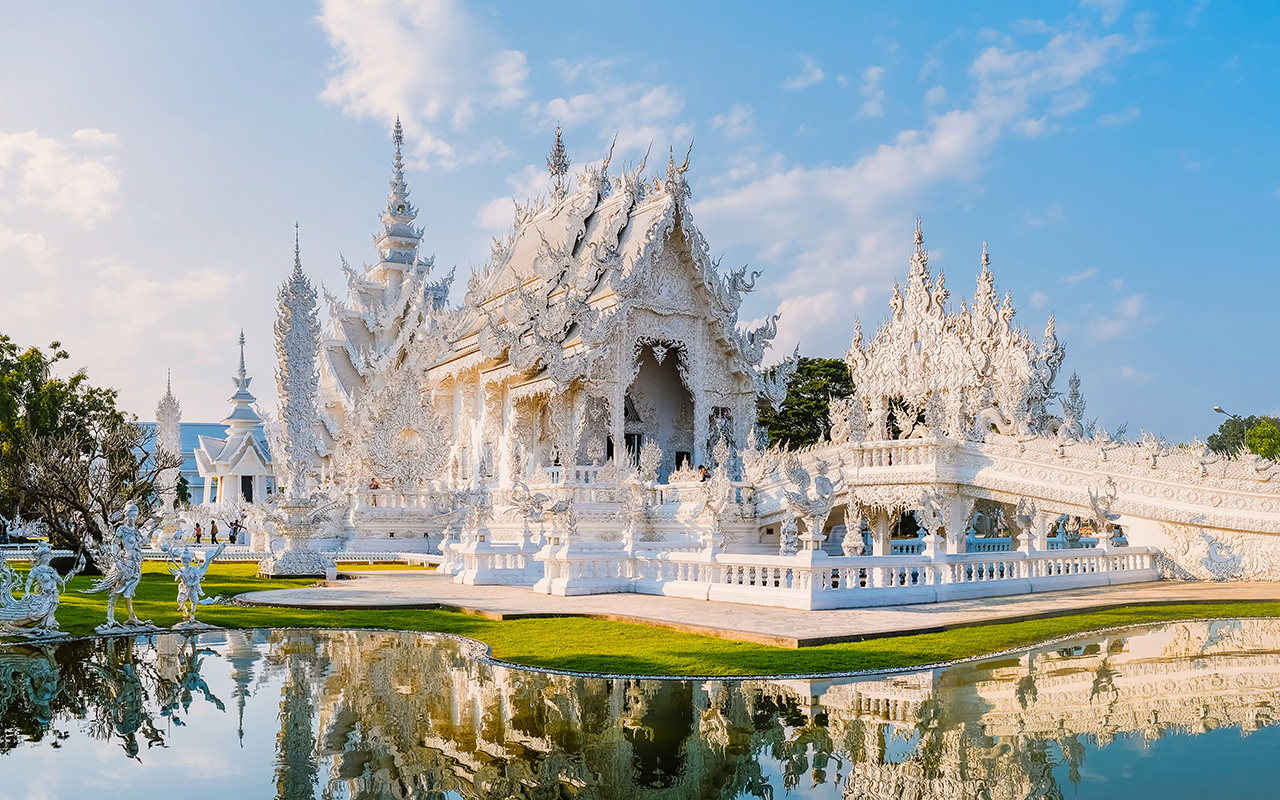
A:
x: 1119, y: 157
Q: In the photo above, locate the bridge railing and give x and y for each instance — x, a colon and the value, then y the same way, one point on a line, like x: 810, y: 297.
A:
x: 838, y: 582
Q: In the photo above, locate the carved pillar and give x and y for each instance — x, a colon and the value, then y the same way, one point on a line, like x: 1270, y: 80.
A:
x: 958, y: 509
x: 882, y: 537
x: 1040, y: 529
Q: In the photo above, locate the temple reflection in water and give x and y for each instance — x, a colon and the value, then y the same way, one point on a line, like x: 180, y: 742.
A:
x: 388, y: 715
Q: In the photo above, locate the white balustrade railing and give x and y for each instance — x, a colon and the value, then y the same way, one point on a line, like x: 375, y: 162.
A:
x: 841, y: 581
x: 892, y: 453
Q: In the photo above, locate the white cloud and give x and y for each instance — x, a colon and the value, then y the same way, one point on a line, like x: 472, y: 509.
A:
x: 426, y: 61
x: 50, y: 174
x: 508, y: 73
x: 847, y: 227
x: 1118, y: 118
x: 1038, y: 300
x: 32, y: 246
x: 1080, y: 276
x: 529, y: 182
x: 638, y: 113
x: 1052, y: 215
x: 1118, y: 284
x: 1108, y: 10
x: 936, y: 96
x: 93, y: 136
x: 873, y: 90
x: 810, y: 75
x: 737, y: 124
x: 1131, y: 374
x: 1117, y: 321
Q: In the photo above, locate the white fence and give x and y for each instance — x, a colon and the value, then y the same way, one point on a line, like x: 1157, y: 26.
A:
x: 838, y: 582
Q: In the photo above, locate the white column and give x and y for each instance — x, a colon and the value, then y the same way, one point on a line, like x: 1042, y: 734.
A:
x: 207, y: 490
x: 881, y: 538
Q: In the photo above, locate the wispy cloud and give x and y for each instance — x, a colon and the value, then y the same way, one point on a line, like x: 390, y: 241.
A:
x: 850, y: 224
x: 810, y: 75
x: 738, y: 123
x: 1050, y: 216
x: 55, y: 176
x: 873, y: 90
x: 1117, y: 118
x: 1108, y: 10
x: 1117, y: 321
x: 1080, y: 276
x: 426, y: 61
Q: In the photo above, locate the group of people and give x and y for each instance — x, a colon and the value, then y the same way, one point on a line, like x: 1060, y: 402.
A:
x: 235, y: 525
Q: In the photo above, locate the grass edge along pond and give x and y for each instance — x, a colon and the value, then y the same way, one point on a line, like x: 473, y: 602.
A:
x: 594, y: 645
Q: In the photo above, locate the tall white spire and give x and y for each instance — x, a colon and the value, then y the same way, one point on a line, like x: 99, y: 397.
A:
x: 243, y: 418
x: 168, y: 440
x: 398, y: 242
x: 297, y: 341
x: 558, y: 165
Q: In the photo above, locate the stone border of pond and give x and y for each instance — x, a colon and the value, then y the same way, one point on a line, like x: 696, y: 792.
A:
x: 482, y: 653
x: 772, y: 626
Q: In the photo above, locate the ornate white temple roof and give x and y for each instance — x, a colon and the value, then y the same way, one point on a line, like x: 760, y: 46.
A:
x: 240, y: 452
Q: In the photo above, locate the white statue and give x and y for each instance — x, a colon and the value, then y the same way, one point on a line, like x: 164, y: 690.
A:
x: 189, y: 577
x: 121, y: 559
x: 815, y: 507
x: 34, y: 612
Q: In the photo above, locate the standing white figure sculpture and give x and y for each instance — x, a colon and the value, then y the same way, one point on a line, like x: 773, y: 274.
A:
x: 121, y: 558
x: 34, y: 613
x: 815, y: 507
x: 189, y: 577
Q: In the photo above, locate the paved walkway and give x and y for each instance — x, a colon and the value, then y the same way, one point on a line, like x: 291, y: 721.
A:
x: 764, y: 624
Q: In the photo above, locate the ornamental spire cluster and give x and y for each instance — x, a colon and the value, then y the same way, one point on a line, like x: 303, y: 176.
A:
x: 168, y: 440
x: 558, y: 165
x: 297, y: 340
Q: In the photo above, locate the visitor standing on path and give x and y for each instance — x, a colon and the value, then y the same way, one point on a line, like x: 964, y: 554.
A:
x: 199, y: 533
x: 213, y: 532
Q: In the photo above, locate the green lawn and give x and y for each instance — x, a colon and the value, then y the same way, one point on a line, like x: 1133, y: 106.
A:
x: 597, y: 645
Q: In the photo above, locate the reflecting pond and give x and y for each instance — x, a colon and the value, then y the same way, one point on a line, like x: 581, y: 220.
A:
x: 1179, y: 710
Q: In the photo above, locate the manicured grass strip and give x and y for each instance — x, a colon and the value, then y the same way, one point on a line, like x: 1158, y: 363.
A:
x: 381, y: 567
x: 591, y: 645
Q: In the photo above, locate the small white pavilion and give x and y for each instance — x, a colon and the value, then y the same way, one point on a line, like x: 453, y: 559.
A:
x: 238, y: 466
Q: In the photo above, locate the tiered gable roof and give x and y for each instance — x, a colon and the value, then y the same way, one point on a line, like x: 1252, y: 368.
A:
x: 576, y: 266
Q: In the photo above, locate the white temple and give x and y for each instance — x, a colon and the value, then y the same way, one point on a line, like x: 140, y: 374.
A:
x: 236, y: 467
x: 547, y: 429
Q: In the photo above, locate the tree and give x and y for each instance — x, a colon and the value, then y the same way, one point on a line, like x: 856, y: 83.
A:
x: 1264, y: 438
x: 68, y: 456
x: 1232, y: 435
x: 802, y: 418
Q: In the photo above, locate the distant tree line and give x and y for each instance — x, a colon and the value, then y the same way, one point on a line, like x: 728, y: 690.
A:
x: 1256, y: 434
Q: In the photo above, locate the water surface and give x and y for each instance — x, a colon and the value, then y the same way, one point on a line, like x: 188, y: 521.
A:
x: 1178, y: 710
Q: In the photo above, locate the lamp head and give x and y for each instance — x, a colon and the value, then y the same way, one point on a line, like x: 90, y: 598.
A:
x: 1219, y: 409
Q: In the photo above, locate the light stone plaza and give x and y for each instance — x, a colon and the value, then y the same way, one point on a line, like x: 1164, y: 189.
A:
x: 642, y: 490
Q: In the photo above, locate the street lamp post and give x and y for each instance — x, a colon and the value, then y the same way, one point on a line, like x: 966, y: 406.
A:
x: 1244, y: 428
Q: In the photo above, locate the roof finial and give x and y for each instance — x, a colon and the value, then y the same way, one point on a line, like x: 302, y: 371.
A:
x: 558, y: 164
x: 297, y: 250
x: 242, y: 369
x: 986, y: 258
x: 168, y: 381
x: 398, y: 138
x: 919, y: 235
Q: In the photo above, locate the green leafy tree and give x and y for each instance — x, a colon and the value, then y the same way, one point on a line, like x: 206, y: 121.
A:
x: 68, y: 456
x: 1264, y: 438
x: 802, y: 418
x: 1233, y: 433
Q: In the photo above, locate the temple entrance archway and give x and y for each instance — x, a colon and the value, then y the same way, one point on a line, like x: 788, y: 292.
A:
x: 658, y: 407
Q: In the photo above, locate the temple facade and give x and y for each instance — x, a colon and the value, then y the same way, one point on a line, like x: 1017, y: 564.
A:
x: 236, y: 467
x: 583, y: 420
